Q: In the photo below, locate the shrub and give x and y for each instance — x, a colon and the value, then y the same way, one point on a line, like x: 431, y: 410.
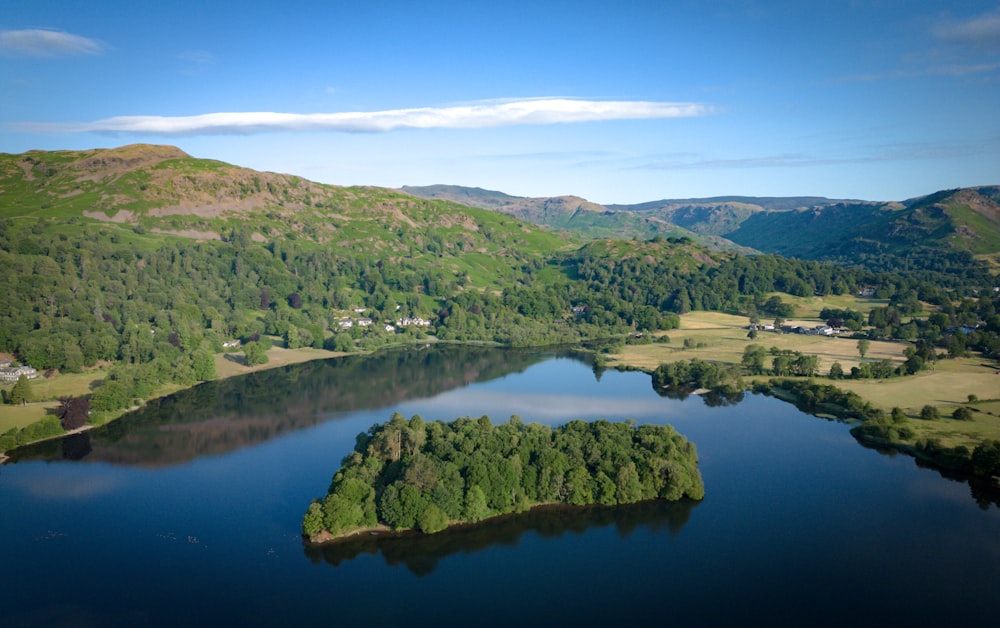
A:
x: 962, y: 413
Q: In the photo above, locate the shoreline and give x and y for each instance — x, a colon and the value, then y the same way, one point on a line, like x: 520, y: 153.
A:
x: 308, y: 354
x: 301, y: 356
x: 325, y: 539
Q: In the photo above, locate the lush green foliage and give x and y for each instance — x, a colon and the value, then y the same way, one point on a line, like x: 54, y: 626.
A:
x: 46, y: 428
x: 412, y: 474
x: 21, y: 392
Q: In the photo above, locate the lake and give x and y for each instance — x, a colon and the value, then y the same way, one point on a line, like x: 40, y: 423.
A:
x: 188, y: 512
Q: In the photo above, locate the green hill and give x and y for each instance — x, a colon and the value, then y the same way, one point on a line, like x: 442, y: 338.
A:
x: 145, y: 190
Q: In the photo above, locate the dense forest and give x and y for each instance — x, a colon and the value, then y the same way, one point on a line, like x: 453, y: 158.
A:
x: 158, y: 308
x: 411, y: 474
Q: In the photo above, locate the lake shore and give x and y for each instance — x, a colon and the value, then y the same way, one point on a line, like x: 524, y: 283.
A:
x: 227, y: 366
x: 947, y: 386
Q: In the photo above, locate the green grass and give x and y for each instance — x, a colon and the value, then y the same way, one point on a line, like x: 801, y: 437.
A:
x: 21, y: 416
x: 63, y: 385
x: 810, y: 307
x: 946, y: 386
x: 987, y: 234
x: 723, y: 338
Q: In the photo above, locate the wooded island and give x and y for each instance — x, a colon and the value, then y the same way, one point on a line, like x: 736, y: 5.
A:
x: 408, y: 474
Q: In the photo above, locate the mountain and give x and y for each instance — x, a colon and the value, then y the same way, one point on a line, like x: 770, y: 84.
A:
x: 953, y: 221
x: 720, y: 215
x: 962, y: 221
x: 140, y: 191
x: 568, y: 215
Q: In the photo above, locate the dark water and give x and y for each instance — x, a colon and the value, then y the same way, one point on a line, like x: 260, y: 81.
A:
x: 188, y: 513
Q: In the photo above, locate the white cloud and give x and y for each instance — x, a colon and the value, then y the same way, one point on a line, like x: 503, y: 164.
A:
x: 532, y: 111
x: 981, y: 31
x: 47, y: 43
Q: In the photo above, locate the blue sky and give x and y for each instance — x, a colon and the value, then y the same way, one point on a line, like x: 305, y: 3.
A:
x: 618, y: 102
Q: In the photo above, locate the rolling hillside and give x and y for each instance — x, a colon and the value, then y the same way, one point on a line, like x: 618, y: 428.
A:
x: 143, y: 191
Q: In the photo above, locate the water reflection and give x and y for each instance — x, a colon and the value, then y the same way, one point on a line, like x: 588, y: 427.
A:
x: 217, y: 417
x: 420, y: 553
x: 715, y: 398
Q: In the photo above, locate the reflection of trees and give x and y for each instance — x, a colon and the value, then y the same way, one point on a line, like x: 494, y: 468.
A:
x: 714, y: 398
x: 984, y: 492
x: 221, y: 416
x: 76, y: 446
x: 718, y: 398
x: 420, y: 553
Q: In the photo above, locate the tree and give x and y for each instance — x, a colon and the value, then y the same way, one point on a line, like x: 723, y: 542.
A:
x: 929, y: 413
x: 753, y: 359
x: 254, y: 353
x: 805, y: 365
x: 962, y: 413
x: 432, y: 520
x: 898, y: 416
x: 21, y: 393
x: 204, y: 365
x: 73, y: 412
x: 476, y: 508
x: 863, y: 346
x: 836, y: 371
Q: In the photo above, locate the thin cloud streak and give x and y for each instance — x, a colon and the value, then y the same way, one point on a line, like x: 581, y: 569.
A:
x: 981, y: 32
x: 47, y: 43
x: 956, y: 70
x: 883, y: 153
x: 523, y: 112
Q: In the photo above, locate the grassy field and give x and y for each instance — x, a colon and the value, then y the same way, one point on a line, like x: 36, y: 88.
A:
x: 723, y: 338
x: 812, y: 306
x: 46, y: 391
x: 20, y: 416
x: 50, y: 389
x: 230, y: 364
x: 946, y: 386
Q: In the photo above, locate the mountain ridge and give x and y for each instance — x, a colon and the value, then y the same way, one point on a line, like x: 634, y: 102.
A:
x: 812, y: 227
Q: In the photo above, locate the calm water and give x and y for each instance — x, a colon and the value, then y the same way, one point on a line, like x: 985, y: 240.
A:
x: 189, y: 512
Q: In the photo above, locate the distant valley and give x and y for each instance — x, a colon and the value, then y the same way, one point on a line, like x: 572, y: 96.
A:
x: 819, y: 228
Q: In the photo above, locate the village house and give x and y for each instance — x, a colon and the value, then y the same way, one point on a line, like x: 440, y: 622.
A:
x: 408, y: 321
x: 10, y: 373
x: 345, y: 323
x: 364, y: 322
x: 231, y: 344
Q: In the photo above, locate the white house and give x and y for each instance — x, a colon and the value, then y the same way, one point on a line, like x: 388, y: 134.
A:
x: 10, y: 373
